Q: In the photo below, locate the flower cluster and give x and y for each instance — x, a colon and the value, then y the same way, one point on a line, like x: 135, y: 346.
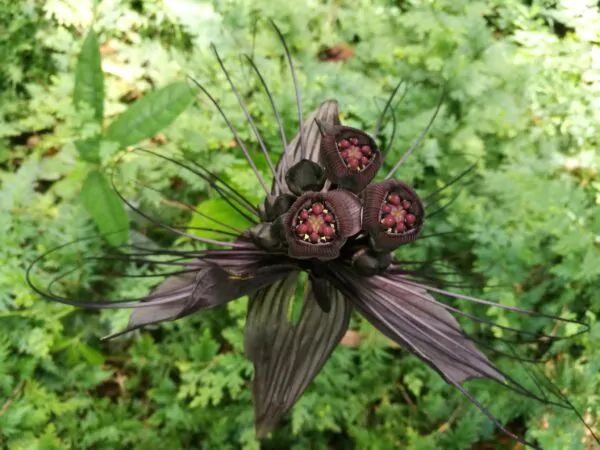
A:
x: 329, y: 208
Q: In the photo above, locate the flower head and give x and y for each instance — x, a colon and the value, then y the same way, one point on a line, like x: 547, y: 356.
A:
x: 351, y: 156
x: 319, y: 224
x: 393, y: 214
x: 323, y: 215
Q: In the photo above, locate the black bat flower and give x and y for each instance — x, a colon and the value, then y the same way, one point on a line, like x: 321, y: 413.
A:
x: 326, y: 217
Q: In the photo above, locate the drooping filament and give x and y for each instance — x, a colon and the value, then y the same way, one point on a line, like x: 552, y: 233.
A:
x: 315, y: 223
x: 396, y: 216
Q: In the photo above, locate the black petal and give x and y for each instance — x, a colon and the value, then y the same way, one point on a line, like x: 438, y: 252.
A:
x: 320, y: 288
x: 287, y: 357
x: 210, y: 286
x: 414, y: 319
x: 178, y: 287
x: 348, y: 208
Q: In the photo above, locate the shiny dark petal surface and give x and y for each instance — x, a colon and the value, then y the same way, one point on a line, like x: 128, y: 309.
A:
x: 349, y: 211
x: 288, y: 356
x: 209, y: 286
x: 414, y: 319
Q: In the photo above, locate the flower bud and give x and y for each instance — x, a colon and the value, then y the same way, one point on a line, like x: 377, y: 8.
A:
x: 275, y: 206
x: 265, y: 236
x: 305, y: 176
x: 367, y: 262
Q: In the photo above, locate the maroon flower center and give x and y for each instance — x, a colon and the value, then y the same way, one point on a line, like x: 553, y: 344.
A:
x: 395, y: 217
x: 356, y: 156
x: 315, y: 224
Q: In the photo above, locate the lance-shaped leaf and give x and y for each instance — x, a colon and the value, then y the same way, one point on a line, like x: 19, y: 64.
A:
x: 89, y: 79
x: 89, y: 93
x: 287, y: 356
x: 414, y: 319
x: 106, y: 208
x: 327, y: 113
x: 149, y: 115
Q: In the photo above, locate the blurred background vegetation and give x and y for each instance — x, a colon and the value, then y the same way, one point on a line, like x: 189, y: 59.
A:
x: 523, y: 83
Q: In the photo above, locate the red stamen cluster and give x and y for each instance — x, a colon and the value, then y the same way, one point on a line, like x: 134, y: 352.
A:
x: 356, y: 156
x: 396, y: 217
x: 315, y: 224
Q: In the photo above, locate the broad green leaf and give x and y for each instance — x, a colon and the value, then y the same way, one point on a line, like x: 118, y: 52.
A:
x: 89, y: 79
x: 106, y: 208
x: 149, y: 115
x: 89, y: 149
x: 219, y: 210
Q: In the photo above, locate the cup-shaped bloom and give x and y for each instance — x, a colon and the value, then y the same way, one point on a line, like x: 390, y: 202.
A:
x: 393, y: 214
x: 319, y: 223
x: 350, y: 155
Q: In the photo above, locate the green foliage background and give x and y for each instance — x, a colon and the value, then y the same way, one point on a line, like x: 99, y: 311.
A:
x: 523, y: 82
